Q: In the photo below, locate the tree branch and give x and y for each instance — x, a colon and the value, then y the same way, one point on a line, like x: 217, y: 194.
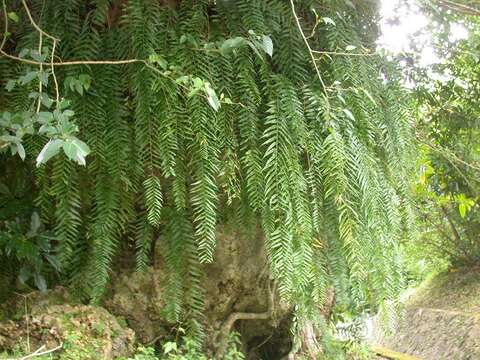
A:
x: 39, y: 352
x: 460, y: 8
x: 233, y: 317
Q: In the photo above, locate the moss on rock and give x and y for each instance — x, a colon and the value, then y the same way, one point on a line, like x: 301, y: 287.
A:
x: 84, y: 332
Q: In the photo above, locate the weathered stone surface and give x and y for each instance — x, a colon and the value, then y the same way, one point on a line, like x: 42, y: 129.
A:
x: 85, y: 332
x: 237, y: 281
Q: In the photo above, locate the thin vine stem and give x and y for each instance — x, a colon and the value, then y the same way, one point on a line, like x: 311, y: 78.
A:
x: 314, y: 62
x: 342, y: 53
x: 35, y: 25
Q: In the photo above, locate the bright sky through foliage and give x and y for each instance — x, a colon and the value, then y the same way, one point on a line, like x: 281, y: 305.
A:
x: 403, y: 24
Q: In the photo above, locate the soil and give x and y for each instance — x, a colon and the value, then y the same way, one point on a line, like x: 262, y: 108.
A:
x: 441, y: 320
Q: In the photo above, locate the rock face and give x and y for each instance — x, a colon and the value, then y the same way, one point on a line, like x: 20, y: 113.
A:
x: 239, y: 295
x: 84, y: 332
x: 237, y: 281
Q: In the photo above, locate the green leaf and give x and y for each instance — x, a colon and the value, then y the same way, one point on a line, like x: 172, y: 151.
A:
x: 34, y: 223
x: 40, y: 282
x: 350, y: 48
x: 328, y: 20
x: 50, y: 149
x: 231, y: 44
x: 462, y: 209
x: 24, y: 274
x: 170, y: 346
x: 45, y: 117
x: 83, y: 149
x: 24, y: 52
x: 47, y: 129
x: 64, y: 104
x: 267, y: 44
x: 13, y: 16
x: 46, y: 101
x: 198, y: 83
x: 369, y: 96
x: 44, y: 78
x: 68, y: 113
x: 86, y: 80
x: 70, y: 150
x: 9, y: 138
x: 79, y: 88
x: 53, y: 261
x: 21, y: 151
x: 37, y: 57
x: 157, y: 59
x: 349, y: 114
x: 212, y: 97
x: 28, y: 77
x: 153, y: 199
x: 10, y: 85
x: 76, y: 150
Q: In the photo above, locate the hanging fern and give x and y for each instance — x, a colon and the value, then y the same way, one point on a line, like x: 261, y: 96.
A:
x: 204, y: 107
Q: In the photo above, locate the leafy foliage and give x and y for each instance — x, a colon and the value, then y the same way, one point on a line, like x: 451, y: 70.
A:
x: 219, y: 110
x: 448, y: 128
x: 29, y: 252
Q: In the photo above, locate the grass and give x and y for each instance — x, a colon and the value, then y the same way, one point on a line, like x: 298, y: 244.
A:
x: 455, y: 290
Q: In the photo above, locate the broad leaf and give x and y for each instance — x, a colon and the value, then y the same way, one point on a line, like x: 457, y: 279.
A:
x: 212, y: 98
x: 267, y: 44
x: 49, y: 150
x: 231, y: 44
x: 21, y: 151
x: 10, y: 85
x: 76, y: 150
x: 349, y: 114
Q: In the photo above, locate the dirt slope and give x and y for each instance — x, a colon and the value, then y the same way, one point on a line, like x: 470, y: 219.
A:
x: 442, y: 319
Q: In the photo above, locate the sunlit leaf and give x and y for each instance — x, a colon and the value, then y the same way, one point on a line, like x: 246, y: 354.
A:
x: 50, y: 149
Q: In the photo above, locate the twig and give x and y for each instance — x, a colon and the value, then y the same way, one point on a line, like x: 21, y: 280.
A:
x: 444, y: 151
x: 39, y: 352
x: 41, y: 70
x: 342, y: 53
x: 55, y: 40
x: 311, y: 55
x: 75, y: 62
x: 461, y: 8
x: 4, y: 40
x: 35, y: 24
x: 57, y: 92
x: 27, y: 321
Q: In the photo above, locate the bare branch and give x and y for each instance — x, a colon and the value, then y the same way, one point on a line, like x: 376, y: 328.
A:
x: 39, y: 352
